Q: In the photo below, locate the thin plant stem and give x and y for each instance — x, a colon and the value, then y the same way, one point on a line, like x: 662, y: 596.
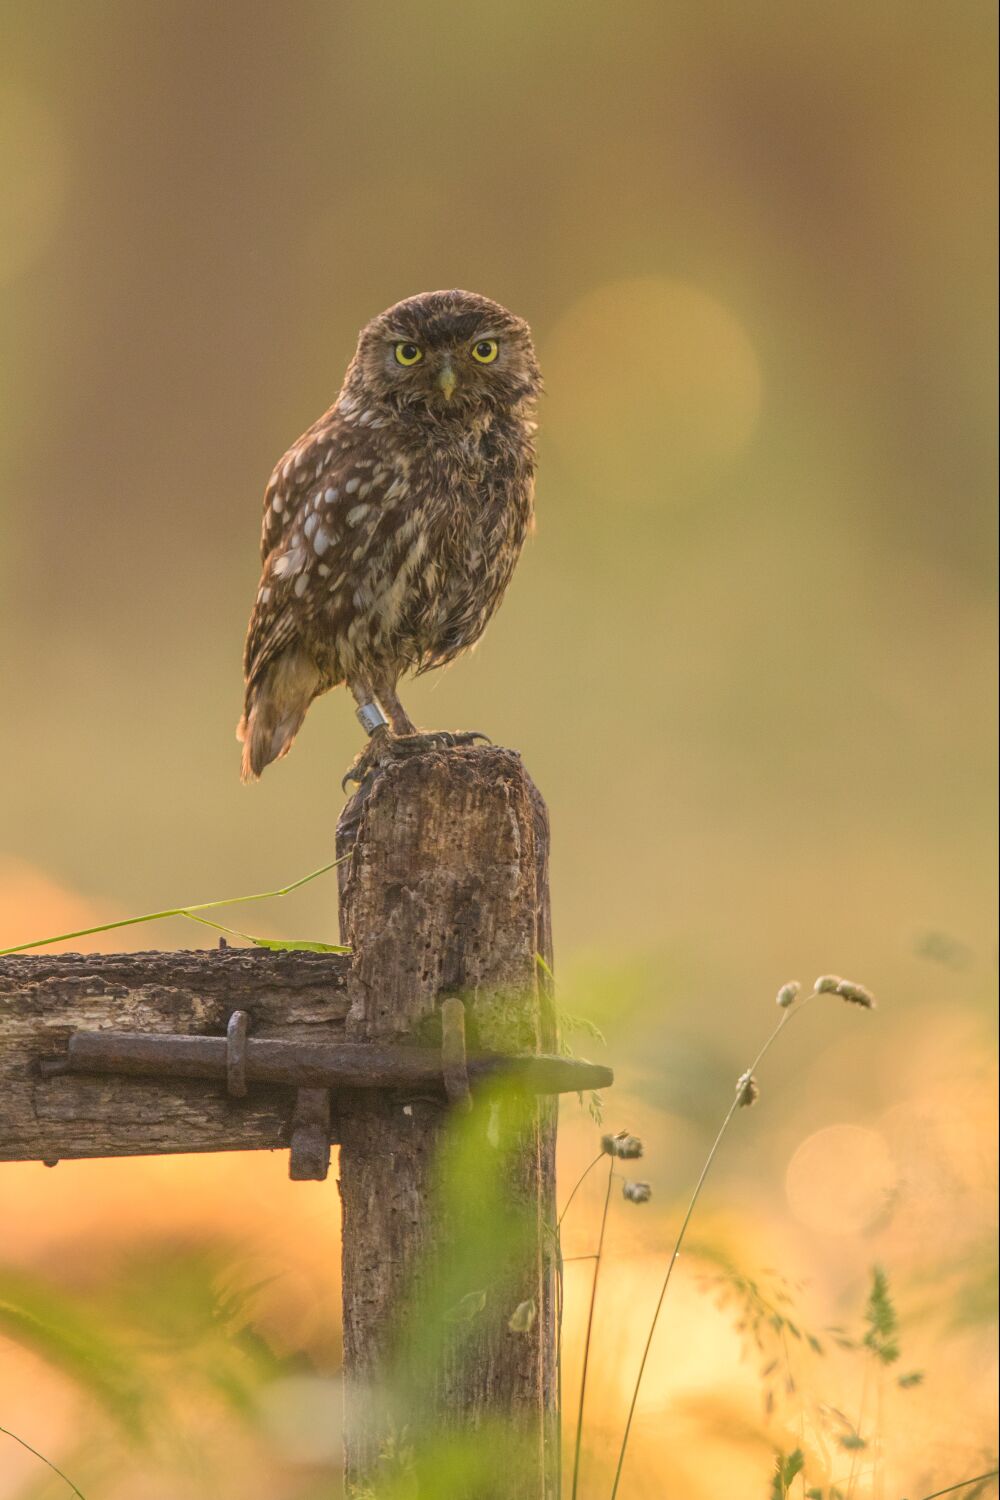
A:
x: 175, y: 911
x: 590, y: 1325
x: 962, y: 1484
x: 7, y: 1433
x: 579, y: 1183
x: 786, y: 1016
x: 561, y: 1262
x: 259, y: 942
x: 560, y: 1289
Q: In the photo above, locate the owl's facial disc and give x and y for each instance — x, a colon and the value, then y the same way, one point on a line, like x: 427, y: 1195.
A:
x: 451, y: 356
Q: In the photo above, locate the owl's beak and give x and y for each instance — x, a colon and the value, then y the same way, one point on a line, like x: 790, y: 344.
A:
x: 447, y: 381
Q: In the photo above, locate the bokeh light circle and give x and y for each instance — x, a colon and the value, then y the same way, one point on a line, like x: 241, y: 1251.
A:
x: 654, y: 387
x: 841, y: 1179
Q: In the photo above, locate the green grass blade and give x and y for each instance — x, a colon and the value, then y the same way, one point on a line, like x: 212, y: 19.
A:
x: 276, y: 945
x: 7, y: 1433
x: 183, y: 911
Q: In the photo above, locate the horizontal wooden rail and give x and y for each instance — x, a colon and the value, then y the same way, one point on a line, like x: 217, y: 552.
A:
x: 290, y: 997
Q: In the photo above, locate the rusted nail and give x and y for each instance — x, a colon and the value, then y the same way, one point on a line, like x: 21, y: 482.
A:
x: 236, y: 1053
x: 454, y: 1060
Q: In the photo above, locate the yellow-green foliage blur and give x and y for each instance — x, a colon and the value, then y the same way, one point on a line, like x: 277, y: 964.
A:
x: 748, y: 658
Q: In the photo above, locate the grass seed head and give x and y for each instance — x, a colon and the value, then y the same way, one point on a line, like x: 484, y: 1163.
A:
x: 788, y: 994
x: 747, y: 1091
x: 626, y: 1147
x: 636, y: 1192
x: 855, y: 994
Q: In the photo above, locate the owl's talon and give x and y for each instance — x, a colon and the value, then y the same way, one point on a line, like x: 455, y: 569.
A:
x: 383, y: 748
x: 437, y: 739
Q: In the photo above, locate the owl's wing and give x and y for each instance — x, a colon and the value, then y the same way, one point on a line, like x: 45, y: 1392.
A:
x: 322, y: 505
x: 294, y: 474
x: 274, y: 621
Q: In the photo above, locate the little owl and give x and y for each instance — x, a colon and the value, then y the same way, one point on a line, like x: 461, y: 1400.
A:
x: 392, y: 527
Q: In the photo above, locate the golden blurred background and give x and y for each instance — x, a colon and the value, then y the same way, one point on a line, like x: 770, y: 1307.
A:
x: 748, y: 657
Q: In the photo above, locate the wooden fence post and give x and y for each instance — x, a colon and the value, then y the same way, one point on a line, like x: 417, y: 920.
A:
x: 446, y: 894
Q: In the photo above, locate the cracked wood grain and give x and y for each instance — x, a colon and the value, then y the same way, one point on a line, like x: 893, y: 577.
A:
x: 446, y: 893
x: 291, y: 996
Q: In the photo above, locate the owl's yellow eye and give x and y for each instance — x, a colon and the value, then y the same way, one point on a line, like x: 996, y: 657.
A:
x: 408, y: 354
x: 485, y: 351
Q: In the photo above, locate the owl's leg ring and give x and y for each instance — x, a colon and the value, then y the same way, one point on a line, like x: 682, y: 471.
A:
x: 374, y: 721
x: 371, y: 717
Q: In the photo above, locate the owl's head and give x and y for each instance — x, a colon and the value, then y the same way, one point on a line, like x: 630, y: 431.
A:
x: 450, y: 355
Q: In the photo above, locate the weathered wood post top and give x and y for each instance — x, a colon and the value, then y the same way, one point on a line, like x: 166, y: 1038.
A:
x: 395, y: 1052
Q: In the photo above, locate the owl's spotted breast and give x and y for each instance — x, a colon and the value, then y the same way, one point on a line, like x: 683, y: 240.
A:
x: 392, y: 527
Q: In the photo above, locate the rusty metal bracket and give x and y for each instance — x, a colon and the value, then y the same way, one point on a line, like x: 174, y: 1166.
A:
x: 236, y: 1054
x: 309, y: 1160
x: 313, y: 1069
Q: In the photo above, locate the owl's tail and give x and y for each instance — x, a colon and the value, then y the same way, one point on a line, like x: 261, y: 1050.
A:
x: 276, y: 704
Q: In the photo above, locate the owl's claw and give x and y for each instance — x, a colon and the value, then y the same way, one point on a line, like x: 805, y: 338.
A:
x: 400, y: 746
x: 352, y: 774
x: 383, y: 748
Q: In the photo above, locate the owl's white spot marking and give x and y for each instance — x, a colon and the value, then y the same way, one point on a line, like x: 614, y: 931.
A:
x: 277, y: 505
x: 352, y: 485
x: 378, y: 422
x: 288, y: 466
x: 289, y: 563
x: 330, y: 495
x: 301, y: 584
x: 357, y: 513
x: 320, y: 542
x: 396, y: 490
x: 264, y: 595
x: 312, y: 522
x: 364, y: 490
x: 366, y: 417
x: 358, y: 553
x: 323, y: 570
